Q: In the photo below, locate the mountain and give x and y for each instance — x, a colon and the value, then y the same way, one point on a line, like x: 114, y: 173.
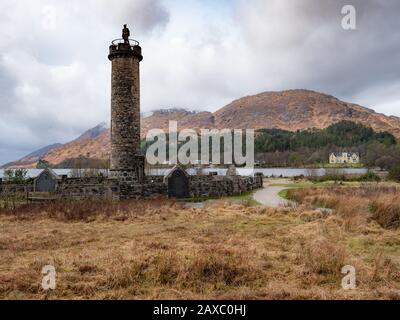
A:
x: 289, y: 110
x: 297, y: 110
x: 186, y: 120
x: 94, y: 132
x: 96, y: 148
x: 32, y: 158
x: 58, y: 152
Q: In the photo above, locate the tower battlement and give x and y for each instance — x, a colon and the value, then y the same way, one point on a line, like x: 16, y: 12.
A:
x: 120, y: 48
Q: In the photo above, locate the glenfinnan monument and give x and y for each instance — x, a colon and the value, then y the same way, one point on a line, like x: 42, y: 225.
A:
x: 127, y: 163
x: 127, y: 178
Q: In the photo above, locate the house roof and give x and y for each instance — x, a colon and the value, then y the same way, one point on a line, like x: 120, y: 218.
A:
x: 177, y: 167
x: 349, y: 154
x: 51, y: 172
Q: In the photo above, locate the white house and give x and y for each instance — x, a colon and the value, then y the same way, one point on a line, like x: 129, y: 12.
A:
x: 344, y: 157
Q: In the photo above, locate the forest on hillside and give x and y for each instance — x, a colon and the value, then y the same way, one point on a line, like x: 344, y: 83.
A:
x: 306, y: 148
x: 275, y: 147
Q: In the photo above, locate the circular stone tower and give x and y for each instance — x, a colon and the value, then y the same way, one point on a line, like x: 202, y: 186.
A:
x: 127, y: 163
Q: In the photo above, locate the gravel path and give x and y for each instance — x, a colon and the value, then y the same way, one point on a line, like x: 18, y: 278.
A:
x: 269, y: 196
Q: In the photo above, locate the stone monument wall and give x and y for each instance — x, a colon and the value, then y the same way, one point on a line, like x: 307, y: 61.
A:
x: 88, y: 188
x: 155, y: 186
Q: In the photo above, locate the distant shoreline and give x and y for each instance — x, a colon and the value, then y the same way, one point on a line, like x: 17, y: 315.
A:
x: 288, y: 172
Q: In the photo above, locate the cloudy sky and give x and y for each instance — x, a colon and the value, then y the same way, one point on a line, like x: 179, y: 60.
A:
x: 198, y: 54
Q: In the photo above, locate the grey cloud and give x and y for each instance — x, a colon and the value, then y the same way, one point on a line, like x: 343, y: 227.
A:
x: 317, y: 52
x: 7, y: 85
x: 141, y: 15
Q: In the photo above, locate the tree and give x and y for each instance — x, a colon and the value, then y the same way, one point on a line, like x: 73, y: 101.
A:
x: 394, y: 173
x: 386, y: 162
x: 296, y: 159
x: 43, y: 164
x: 17, y: 176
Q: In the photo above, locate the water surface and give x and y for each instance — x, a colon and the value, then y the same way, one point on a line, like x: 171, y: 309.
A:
x: 268, y: 172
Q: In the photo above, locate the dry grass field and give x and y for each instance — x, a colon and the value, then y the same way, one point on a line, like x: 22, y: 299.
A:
x: 228, y: 250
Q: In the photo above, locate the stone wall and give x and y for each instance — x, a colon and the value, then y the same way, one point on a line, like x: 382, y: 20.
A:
x: 154, y: 186
x: 217, y: 186
x: 89, y: 188
x: 15, y: 188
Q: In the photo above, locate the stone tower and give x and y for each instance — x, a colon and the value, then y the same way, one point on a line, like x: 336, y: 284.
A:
x: 127, y: 163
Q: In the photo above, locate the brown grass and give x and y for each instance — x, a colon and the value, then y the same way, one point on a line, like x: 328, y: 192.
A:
x: 159, y: 250
x: 357, y: 206
x: 321, y: 256
x: 87, y: 210
x: 386, y: 211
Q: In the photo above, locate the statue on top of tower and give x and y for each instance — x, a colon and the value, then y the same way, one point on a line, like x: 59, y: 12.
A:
x: 126, y: 34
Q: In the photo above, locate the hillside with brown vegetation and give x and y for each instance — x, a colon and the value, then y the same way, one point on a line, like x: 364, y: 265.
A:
x: 97, y: 148
x: 229, y: 250
x: 186, y: 120
x: 289, y: 110
x: 297, y: 110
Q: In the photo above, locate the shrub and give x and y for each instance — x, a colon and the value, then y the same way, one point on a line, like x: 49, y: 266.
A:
x: 88, y: 210
x: 386, y: 213
x: 369, y: 176
x: 215, y: 265
x: 17, y: 176
x: 394, y: 173
x: 323, y: 257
